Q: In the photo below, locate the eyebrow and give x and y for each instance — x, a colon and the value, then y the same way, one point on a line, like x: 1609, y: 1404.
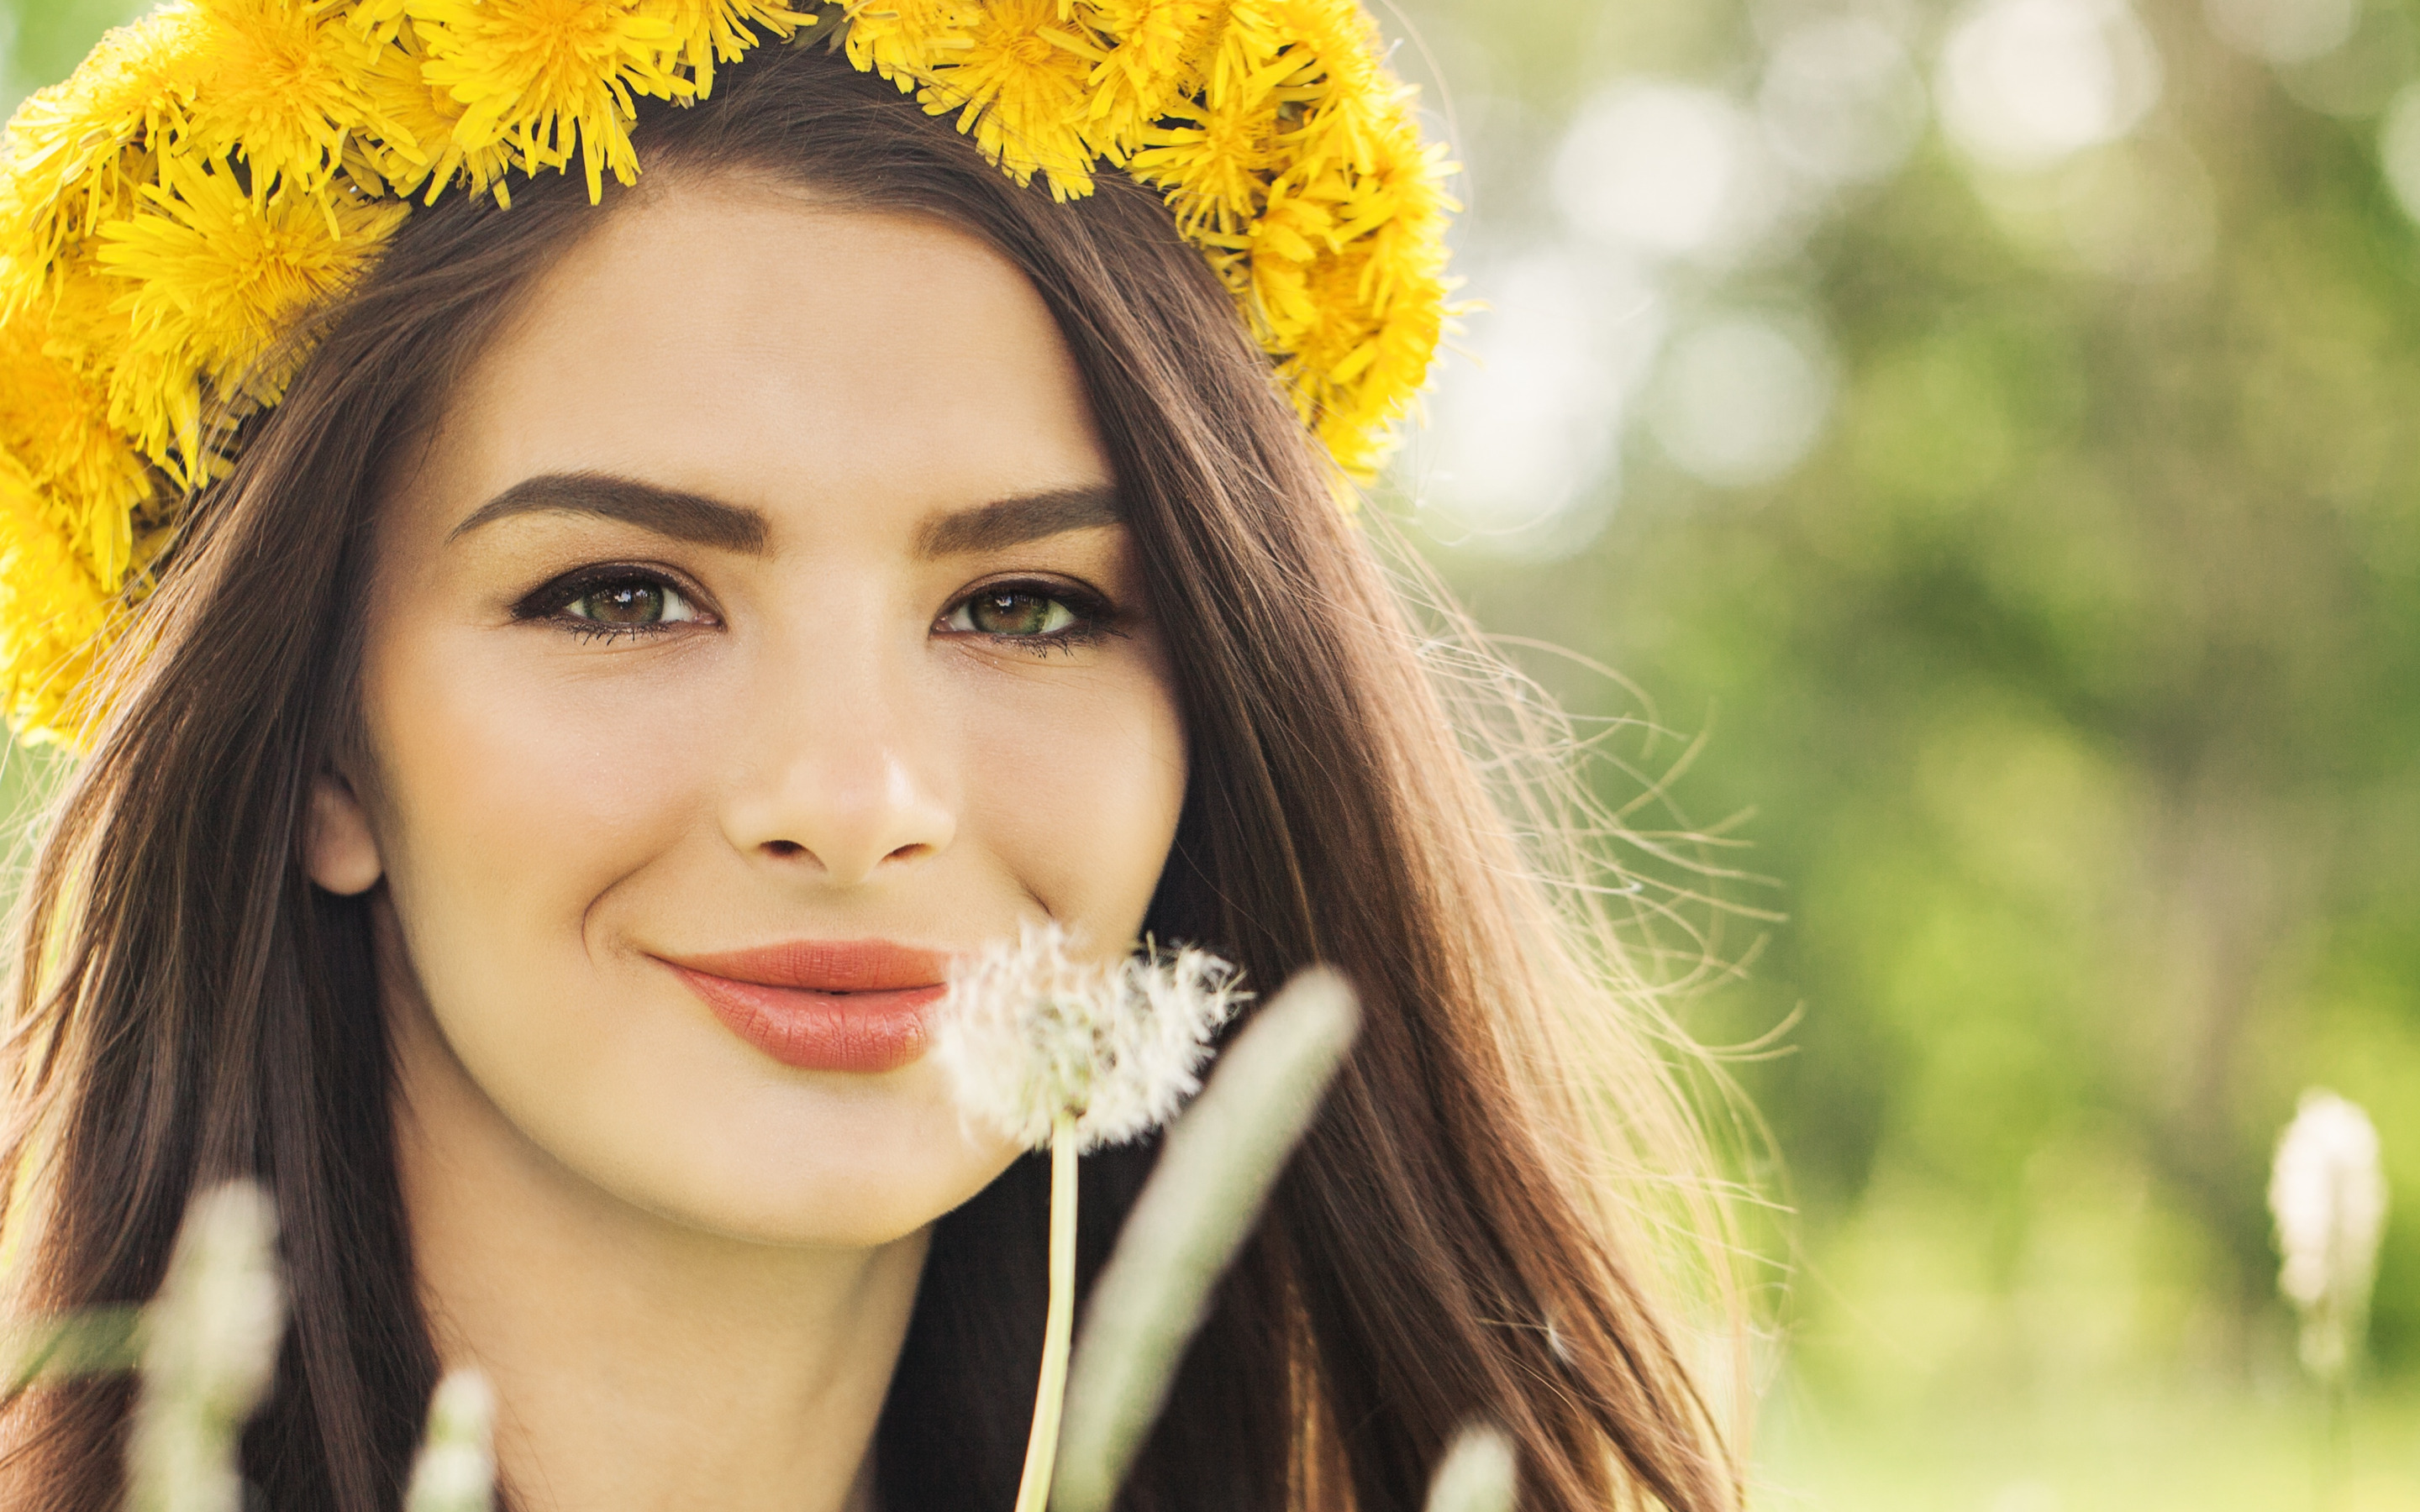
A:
x: 1013, y: 521
x: 683, y: 517
x: 694, y: 518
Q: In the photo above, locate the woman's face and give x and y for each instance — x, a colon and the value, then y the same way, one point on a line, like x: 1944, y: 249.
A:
x: 757, y: 631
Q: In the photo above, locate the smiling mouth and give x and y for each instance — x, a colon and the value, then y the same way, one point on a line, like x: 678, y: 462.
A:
x: 854, y: 1006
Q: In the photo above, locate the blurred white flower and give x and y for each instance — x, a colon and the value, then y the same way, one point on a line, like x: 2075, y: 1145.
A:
x: 2283, y: 31
x: 1840, y: 102
x: 2025, y: 82
x: 2329, y: 1196
x: 209, y: 1354
x: 1029, y: 1034
x: 455, y: 1469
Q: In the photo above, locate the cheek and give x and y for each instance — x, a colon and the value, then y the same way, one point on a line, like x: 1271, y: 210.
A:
x: 511, y: 803
x: 529, y: 778
x: 1081, y: 807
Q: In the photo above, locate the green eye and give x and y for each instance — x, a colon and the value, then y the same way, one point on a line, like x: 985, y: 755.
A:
x: 1013, y: 611
x: 632, y: 601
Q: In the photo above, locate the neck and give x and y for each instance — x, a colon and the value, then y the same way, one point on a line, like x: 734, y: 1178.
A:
x: 639, y: 1365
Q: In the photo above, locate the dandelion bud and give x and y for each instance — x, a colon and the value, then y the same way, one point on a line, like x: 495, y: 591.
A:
x: 2329, y: 1196
x: 1030, y: 1035
x: 456, y: 1471
x: 212, y: 1352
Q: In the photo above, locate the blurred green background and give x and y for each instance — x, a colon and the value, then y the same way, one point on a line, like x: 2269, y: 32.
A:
x: 1993, y: 428
x: 1996, y: 427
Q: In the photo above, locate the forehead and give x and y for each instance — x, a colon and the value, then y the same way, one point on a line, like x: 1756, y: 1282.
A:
x: 740, y: 341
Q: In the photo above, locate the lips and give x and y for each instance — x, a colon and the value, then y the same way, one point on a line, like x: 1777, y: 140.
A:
x: 823, y: 1004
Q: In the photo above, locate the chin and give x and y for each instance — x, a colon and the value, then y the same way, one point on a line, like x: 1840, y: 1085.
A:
x: 843, y: 1213
x: 853, y: 1172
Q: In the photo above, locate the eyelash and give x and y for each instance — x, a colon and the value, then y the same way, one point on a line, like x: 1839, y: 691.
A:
x: 1095, y: 619
x: 551, y: 600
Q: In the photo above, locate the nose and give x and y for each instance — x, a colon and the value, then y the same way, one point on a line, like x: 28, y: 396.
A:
x: 842, y: 788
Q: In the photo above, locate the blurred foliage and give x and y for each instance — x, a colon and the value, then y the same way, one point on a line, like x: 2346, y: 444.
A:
x: 2073, y: 683
x: 2065, y: 688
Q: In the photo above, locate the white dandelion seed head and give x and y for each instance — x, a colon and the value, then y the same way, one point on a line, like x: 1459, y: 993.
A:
x: 2328, y: 1194
x: 456, y: 1469
x: 209, y: 1353
x: 1030, y: 1033
x: 1481, y: 1473
x: 215, y: 1330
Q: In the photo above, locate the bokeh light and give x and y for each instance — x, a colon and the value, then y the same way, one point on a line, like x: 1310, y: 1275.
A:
x: 1743, y: 397
x: 2025, y: 82
x: 1531, y: 425
x: 2284, y: 31
x: 1664, y: 170
x: 1841, y: 100
x: 2398, y: 149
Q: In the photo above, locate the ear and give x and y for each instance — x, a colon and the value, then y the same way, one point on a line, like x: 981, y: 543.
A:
x: 339, y: 849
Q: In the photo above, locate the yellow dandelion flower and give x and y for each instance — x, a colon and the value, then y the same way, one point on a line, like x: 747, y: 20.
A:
x: 1158, y: 52
x: 1401, y: 210
x: 427, y: 153
x: 54, y: 421
x: 1214, y: 161
x: 1252, y: 55
x: 82, y: 327
x: 1406, y: 346
x: 283, y: 84
x: 75, y: 152
x: 1364, y: 363
x: 707, y: 32
x: 1018, y: 85
x: 1159, y: 38
x: 1335, y: 130
x: 377, y: 21
x: 424, y: 146
x: 549, y: 78
x: 55, y: 619
x: 1320, y: 60
x: 905, y: 41
x: 1335, y: 43
x: 1293, y: 232
x: 1333, y: 350
x: 217, y: 281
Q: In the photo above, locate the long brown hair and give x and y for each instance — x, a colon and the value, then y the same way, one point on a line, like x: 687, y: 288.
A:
x: 187, y: 1007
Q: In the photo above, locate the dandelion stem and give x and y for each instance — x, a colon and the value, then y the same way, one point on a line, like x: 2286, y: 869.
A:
x: 1050, y: 1394
x: 96, y: 1341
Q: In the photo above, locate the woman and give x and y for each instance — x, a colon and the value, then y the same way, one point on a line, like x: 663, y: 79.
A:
x: 605, y: 658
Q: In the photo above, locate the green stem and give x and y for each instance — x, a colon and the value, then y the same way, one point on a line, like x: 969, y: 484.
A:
x: 96, y: 1341
x: 2335, y: 1442
x: 1050, y: 1393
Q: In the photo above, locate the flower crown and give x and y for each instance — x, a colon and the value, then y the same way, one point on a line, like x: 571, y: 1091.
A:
x: 220, y: 168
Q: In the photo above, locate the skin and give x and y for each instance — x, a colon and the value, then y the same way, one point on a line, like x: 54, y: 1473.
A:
x: 685, y: 1267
